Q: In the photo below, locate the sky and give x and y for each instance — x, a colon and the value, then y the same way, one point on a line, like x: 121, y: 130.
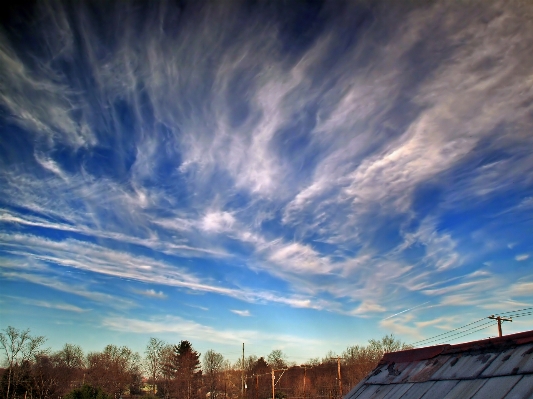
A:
x: 294, y: 175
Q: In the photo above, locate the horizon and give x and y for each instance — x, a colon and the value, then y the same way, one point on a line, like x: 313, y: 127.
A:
x: 298, y: 176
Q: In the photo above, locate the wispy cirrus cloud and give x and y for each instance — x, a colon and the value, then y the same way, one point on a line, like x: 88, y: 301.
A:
x: 51, y: 305
x: 218, y: 151
x: 92, y: 258
x: 190, y: 328
x: 243, y: 313
x: 77, y: 289
x: 151, y: 293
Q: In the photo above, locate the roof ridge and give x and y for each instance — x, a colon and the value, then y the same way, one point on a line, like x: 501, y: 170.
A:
x: 410, y: 355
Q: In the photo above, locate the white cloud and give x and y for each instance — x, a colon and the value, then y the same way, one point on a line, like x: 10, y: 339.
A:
x: 298, y: 258
x: 38, y: 102
x: 51, y: 305
x: 243, y: 313
x: 190, y: 329
x: 505, y: 305
x: 153, y: 293
x: 90, y: 257
x: 521, y: 289
x: 445, y: 323
x: 357, y: 173
x: 368, y: 307
x: 401, y: 327
x: 217, y: 222
x: 78, y: 289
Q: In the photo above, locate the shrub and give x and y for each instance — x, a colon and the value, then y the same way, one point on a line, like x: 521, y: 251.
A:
x: 87, y: 392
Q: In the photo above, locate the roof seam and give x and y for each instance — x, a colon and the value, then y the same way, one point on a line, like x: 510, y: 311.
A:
x: 450, y: 379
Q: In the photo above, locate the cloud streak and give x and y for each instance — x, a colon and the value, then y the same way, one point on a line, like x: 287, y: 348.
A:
x: 356, y: 159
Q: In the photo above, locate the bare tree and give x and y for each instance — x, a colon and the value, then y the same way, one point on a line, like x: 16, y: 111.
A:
x: 71, y: 356
x: 153, y: 359
x: 386, y: 344
x: 276, y: 359
x: 115, y: 370
x: 46, y: 377
x: 167, y: 372
x: 19, y: 347
x: 360, y: 360
x: 70, y: 361
x: 213, y: 363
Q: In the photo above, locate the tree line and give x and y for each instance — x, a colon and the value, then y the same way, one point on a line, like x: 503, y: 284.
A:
x: 176, y: 371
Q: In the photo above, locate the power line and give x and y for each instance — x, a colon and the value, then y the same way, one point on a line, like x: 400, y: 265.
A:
x: 482, y: 327
x: 448, y: 332
x: 461, y: 333
x: 445, y: 336
x: 520, y: 315
x: 514, y: 311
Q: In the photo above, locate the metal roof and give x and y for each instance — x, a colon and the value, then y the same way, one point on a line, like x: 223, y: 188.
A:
x: 495, y: 368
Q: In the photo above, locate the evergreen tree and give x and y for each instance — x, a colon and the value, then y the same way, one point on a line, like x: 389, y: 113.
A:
x: 185, y: 366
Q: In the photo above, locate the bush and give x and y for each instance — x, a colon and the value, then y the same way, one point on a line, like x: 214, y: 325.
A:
x: 87, y: 392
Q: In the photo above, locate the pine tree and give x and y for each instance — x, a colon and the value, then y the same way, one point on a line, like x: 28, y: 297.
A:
x: 185, y: 366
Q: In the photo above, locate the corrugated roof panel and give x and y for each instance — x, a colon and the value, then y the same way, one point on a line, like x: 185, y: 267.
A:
x: 464, y: 366
x: 397, y: 391
x: 374, y: 392
x: 417, y: 390
x: 523, y: 389
x: 512, y: 361
x: 406, y: 371
x: 465, y: 389
x: 387, y: 373
x: 426, y: 370
x: 356, y: 391
x: 383, y: 391
x: 440, y: 389
x: 378, y: 375
x: 497, y: 387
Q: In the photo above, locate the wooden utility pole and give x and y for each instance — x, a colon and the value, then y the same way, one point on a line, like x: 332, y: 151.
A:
x: 500, y: 319
x: 242, y: 374
x: 339, y: 371
x: 305, y: 375
x: 273, y: 385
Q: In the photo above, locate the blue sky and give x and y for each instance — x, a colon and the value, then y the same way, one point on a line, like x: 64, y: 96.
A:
x: 289, y: 175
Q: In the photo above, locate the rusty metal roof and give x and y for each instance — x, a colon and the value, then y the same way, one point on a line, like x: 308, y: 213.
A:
x: 496, y: 368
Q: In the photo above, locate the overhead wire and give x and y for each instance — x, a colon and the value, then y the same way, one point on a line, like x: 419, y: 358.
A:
x: 519, y: 314
x: 460, y: 333
x: 465, y: 333
x: 514, y: 311
x: 446, y: 336
x: 448, y: 332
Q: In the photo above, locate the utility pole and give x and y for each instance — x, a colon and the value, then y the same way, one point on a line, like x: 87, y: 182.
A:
x: 305, y: 375
x: 242, y: 373
x: 339, y: 371
x: 273, y: 385
x: 500, y: 319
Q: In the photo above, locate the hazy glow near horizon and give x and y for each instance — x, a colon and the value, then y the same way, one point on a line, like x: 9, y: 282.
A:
x: 291, y: 176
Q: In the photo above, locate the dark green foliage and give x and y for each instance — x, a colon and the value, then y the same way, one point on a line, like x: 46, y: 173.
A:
x: 185, y: 369
x: 280, y: 395
x: 87, y: 392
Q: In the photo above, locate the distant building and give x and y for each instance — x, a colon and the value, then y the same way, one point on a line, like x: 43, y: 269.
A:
x: 496, y: 368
